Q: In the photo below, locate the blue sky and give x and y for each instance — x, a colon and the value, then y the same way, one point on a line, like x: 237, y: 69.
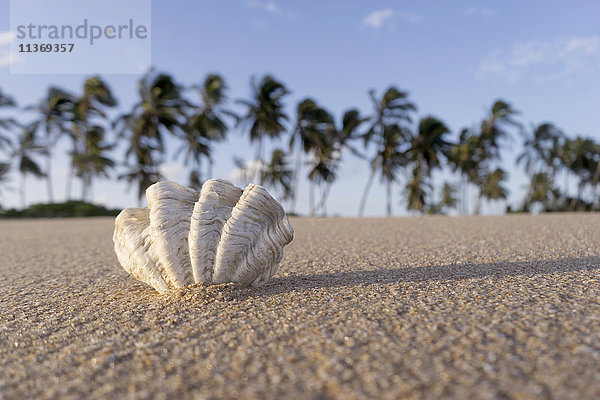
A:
x: 454, y: 58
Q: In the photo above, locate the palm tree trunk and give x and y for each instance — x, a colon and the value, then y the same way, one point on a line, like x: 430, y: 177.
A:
x: 477, y: 205
x: 49, y: 177
x: 22, y: 190
x: 259, y: 152
x: 465, y: 195
x: 528, y: 193
x: 197, y: 168
x: 322, y: 204
x: 566, y: 184
x: 296, y: 181
x: 311, y: 198
x: 69, y: 183
x: 595, y: 180
x: 140, y: 194
x: 468, y: 197
x: 388, y: 189
x: 461, y: 195
x: 83, y: 188
x: 91, y: 191
x: 363, y: 200
x: 70, y: 176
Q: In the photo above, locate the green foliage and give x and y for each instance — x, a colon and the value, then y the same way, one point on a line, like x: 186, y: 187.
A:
x: 278, y: 174
x: 265, y: 114
x: 449, y: 196
x: 389, y: 134
x: 397, y: 152
x: 4, y: 170
x: 89, y: 156
x: 416, y: 190
x: 160, y: 109
x: 24, y: 152
x: 6, y: 124
x: 205, y: 125
x: 70, y: 208
x: 491, y: 186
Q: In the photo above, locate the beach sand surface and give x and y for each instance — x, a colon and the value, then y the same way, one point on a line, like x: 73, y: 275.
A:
x: 431, y: 307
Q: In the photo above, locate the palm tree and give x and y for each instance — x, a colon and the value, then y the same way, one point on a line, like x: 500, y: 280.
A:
x: 491, y: 187
x: 5, y: 142
x: 391, y: 158
x: 393, y: 108
x: 537, y: 147
x: 26, y: 148
x: 278, y: 174
x: 539, y: 155
x: 160, y: 109
x: 427, y: 146
x: 429, y: 143
x: 6, y: 123
x: 351, y: 122
x: 144, y: 169
x: 4, y: 170
x: 193, y: 149
x: 6, y: 100
x: 325, y: 142
x: 540, y: 190
x: 55, y: 112
x: 475, y: 154
x: 448, y: 200
x: 91, y: 105
x: 322, y: 171
x: 265, y: 113
x: 330, y: 156
x: 206, y: 124
x: 416, y: 190
x: 93, y: 160
x: 494, y: 127
x: 582, y: 159
x: 312, y: 125
x: 465, y: 157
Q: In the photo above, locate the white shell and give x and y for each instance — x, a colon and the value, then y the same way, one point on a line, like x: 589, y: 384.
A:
x: 220, y: 234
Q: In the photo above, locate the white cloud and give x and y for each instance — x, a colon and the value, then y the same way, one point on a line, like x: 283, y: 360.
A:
x: 246, y: 174
x: 377, y: 18
x: 409, y: 17
x: 5, y: 39
x: 387, y: 18
x: 542, y: 61
x: 480, y: 11
x: 270, y: 7
x: 259, y: 24
x: 171, y: 171
x: 100, y: 199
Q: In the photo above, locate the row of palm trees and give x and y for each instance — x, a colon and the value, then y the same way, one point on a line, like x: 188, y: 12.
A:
x: 394, y: 146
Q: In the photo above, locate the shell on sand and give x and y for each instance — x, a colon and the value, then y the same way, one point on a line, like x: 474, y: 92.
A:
x: 220, y: 234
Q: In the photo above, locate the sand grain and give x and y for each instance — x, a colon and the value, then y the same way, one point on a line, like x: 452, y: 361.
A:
x: 494, y: 307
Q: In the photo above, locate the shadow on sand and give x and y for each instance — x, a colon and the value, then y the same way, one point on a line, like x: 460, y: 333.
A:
x: 421, y: 274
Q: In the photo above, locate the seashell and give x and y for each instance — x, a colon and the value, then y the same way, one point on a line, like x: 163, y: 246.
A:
x: 220, y: 234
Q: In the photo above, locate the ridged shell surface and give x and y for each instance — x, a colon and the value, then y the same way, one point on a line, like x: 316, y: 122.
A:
x: 220, y: 234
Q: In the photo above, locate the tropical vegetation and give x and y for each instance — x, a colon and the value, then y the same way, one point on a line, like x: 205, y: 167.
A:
x: 434, y: 170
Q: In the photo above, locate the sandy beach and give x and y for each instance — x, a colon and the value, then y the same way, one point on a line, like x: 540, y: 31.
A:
x: 432, y: 307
